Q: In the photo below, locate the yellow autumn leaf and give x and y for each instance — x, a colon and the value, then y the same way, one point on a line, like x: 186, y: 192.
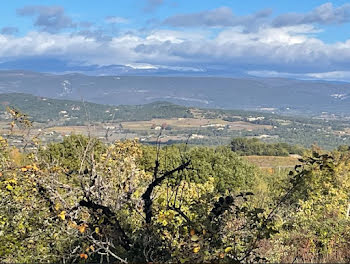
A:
x: 62, y: 215
x: 13, y: 181
x: 57, y: 206
x: 228, y: 249
x: 82, y: 228
x: 196, y: 249
x: 24, y: 169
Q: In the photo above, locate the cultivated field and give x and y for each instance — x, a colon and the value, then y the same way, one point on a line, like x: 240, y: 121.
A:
x: 186, y: 123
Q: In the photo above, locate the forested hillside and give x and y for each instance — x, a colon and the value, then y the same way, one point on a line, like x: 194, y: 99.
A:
x: 43, y: 109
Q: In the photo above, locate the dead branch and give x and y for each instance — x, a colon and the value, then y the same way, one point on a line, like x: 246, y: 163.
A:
x: 146, y: 197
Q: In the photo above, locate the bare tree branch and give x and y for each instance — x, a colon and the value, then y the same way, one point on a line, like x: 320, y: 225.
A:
x: 157, y: 181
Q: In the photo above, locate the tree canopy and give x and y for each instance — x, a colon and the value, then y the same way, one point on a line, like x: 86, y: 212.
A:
x: 83, y: 200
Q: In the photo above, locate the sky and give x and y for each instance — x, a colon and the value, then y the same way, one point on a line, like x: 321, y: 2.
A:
x: 297, y: 39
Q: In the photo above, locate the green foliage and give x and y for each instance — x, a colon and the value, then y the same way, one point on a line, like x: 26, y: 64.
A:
x: 229, y: 171
x: 317, y: 226
x: 253, y: 146
x: 71, y: 154
x: 29, y: 228
x: 81, y: 200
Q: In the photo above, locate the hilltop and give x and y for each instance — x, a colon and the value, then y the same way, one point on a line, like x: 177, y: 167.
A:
x: 43, y: 109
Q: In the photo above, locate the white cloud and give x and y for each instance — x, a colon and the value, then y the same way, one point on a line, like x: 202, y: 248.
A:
x: 331, y: 76
x: 176, y: 36
x: 142, y: 66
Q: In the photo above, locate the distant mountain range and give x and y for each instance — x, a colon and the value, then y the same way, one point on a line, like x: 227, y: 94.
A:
x: 61, y: 66
x: 263, y: 94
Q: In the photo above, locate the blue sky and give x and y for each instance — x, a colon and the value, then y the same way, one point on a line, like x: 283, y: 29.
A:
x: 299, y: 39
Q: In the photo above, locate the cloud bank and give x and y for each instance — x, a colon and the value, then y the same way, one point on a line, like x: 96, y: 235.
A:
x: 218, y: 39
x: 324, y: 14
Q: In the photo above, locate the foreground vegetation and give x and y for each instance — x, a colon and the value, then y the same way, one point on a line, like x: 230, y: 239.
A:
x: 81, y: 200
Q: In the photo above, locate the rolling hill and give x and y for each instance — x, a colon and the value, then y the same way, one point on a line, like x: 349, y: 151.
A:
x: 42, y: 109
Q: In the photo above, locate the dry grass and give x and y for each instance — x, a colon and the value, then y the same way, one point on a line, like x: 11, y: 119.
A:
x: 69, y: 129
